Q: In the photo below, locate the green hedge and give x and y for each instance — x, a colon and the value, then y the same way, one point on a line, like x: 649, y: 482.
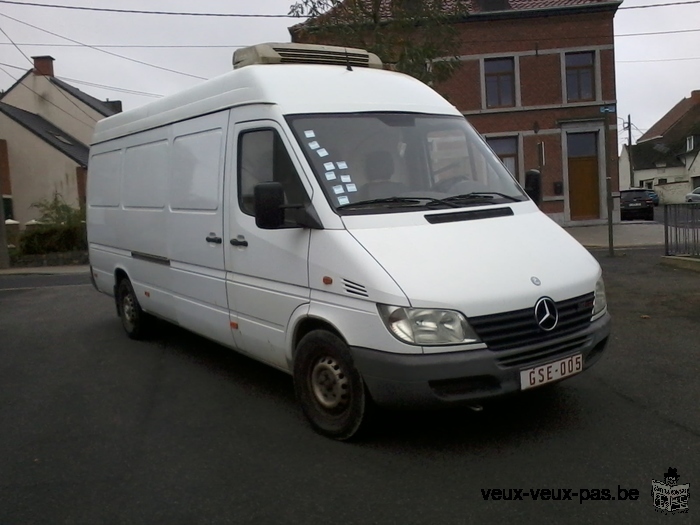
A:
x: 53, y: 239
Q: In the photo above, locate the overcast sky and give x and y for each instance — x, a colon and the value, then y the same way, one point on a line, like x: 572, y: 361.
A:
x: 653, y: 73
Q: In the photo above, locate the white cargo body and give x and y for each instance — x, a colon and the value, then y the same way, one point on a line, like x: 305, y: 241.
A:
x: 345, y: 225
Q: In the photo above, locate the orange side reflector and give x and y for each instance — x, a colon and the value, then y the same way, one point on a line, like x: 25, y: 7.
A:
x: 327, y: 280
x: 234, y: 325
x: 148, y: 294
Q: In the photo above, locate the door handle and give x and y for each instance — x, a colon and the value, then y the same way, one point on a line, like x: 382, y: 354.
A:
x: 213, y: 238
x: 239, y: 242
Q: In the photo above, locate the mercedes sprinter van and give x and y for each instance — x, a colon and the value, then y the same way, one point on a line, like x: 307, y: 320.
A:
x: 344, y: 224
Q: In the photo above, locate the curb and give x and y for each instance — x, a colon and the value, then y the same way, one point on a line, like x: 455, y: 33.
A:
x: 47, y: 270
x: 621, y: 246
x: 684, y: 263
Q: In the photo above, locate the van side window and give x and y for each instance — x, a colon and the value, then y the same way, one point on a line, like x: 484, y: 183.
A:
x: 262, y: 157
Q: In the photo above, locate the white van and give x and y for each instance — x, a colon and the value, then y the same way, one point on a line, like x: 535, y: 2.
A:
x: 344, y: 224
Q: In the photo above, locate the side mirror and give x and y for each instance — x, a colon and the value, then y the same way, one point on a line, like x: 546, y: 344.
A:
x: 269, y: 202
x: 533, y: 185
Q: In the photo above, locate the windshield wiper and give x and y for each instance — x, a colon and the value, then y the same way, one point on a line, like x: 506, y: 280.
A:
x: 475, y: 195
x: 453, y: 202
x: 400, y: 201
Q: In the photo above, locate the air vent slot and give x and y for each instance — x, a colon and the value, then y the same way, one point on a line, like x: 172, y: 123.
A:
x: 355, y: 289
x: 304, y: 54
x: 439, y: 218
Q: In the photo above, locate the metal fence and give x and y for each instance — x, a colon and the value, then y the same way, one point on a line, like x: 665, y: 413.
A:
x: 682, y: 229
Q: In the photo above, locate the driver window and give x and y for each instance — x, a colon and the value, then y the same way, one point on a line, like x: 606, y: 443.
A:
x: 263, y: 157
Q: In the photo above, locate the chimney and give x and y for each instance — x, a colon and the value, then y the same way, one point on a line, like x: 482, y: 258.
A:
x: 43, y: 66
x: 695, y: 95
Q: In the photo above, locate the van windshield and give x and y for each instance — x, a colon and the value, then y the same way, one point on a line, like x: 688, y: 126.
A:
x: 393, y: 162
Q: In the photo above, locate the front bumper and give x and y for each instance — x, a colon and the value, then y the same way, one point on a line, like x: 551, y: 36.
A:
x: 432, y: 380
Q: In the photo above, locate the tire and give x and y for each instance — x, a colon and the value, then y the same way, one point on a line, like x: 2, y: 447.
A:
x: 135, y: 321
x: 329, y: 388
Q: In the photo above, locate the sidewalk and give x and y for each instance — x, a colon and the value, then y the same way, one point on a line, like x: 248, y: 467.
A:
x: 47, y: 270
x: 628, y: 235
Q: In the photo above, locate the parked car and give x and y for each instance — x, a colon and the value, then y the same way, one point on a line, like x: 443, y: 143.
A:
x: 693, y: 196
x: 636, y: 204
x: 654, y: 197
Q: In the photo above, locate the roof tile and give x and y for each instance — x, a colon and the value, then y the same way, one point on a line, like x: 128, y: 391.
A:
x: 475, y: 7
x: 674, y: 117
x: 42, y: 128
x: 106, y: 109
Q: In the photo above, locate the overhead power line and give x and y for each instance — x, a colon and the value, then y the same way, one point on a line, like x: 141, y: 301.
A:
x: 100, y: 47
x: 687, y: 2
x: 671, y: 31
x: 140, y: 46
x: 656, y: 60
x: 142, y: 12
x: 111, y: 88
x: 103, y: 51
x: 56, y: 87
x: 45, y: 99
x: 237, y: 46
x: 248, y: 15
x: 93, y: 84
x: 13, y: 67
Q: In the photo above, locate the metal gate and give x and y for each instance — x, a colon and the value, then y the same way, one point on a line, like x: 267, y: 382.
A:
x: 682, y: 229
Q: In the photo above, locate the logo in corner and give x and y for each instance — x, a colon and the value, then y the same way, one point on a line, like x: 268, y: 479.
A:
x: 546, y: 314
x: 669, y: 496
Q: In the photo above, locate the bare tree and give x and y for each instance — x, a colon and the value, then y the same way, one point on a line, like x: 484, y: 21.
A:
x: 416, y: 37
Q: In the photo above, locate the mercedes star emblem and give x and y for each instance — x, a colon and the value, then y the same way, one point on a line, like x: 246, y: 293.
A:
x: 546, y: 314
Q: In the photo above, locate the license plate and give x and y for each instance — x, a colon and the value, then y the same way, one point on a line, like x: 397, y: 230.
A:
x: 632, y: 204
x: 543, y: 374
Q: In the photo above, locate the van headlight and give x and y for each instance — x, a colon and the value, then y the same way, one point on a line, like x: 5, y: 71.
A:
x: 600, y: 302
x: 427, y: 327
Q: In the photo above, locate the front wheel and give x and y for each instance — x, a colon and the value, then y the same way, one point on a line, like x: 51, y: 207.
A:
x: 328, y: 386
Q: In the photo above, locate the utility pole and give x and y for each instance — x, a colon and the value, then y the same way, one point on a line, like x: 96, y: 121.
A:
x: 629, y: 150
x: 606, y: 110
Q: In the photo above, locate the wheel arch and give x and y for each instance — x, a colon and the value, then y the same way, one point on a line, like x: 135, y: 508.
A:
x: 308, y: 324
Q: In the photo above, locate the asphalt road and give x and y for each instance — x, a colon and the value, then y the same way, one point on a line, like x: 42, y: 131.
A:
x: 98, y: 429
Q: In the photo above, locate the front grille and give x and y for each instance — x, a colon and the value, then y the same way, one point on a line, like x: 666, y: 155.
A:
x: 519, y: 327
x: 542, y: 353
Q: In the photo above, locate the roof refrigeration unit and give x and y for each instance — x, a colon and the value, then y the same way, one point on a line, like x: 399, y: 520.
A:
x: 272, y: 53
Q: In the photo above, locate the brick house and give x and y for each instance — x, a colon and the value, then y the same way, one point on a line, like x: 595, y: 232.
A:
x: 45, y: 128
x: 534, y: 78
x: 667, y: 157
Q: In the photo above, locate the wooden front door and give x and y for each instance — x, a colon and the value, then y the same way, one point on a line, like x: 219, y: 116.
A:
x: 584, y: 187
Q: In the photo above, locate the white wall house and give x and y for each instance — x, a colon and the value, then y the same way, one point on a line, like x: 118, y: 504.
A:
x: 42, y: 161
x: 665, y: 158
x: 45, y: 128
